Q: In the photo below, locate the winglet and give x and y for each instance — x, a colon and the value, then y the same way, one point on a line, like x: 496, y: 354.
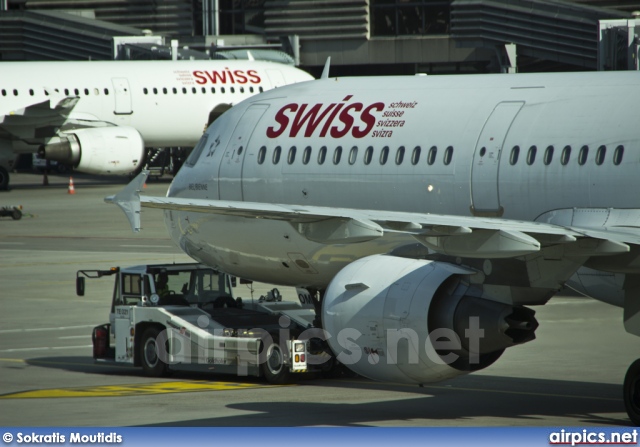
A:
x: 129, y: 200
x: 325, y: 70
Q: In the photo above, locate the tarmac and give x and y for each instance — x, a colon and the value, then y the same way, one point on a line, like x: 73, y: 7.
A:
x: 571, y: 375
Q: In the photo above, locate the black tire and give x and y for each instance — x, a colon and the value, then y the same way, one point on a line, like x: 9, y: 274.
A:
x: 273, y: 367
x: 154, y: 352
x: 4, y: 179
x: 16, y: 214
x: 632, y: 392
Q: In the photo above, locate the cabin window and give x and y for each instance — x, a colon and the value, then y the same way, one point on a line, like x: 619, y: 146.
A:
x: 213, y: 90
x: 164, y: 90
x: 337, y: 154
x: 292, y: 155
x: 415, y: 157
x: 400, y: 155
x: 322, y: 155
x: 233, y: 90
x: 66, y: 92
x: 251, y: 89
x: 306, y: 155
x: 531, y: 155
x: 548, y: 155
x: 448, y: 155
x: 431, y: 157
x: 145, y: 90
x: 583, y: 154
x: 184, y: 90
x: 4, y: 92
x: 241, y: 89
x: 262, y: 153
x: 617, y: 155
x: 175, y: 91
x: 260, y: 89
x: 276, y: 155
x: 515, y: 153
x: 353, y: 155
x: 204, y: 90
x: 222, y: 90
x: 31, y: 91
x: 155, y: 91
x: 566, y: 155
x: 193, y: 90
x: 76, y: 92
x: 384, y: 154
x: 86, y: 92
x: 106, y: 91
x: 600, y: 155
x: 368, y: 155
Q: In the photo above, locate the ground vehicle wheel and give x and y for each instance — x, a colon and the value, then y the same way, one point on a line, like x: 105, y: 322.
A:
x: 632, y: 392
x: 273, y: 367
x: 16, y: 214
x: 154, y: 352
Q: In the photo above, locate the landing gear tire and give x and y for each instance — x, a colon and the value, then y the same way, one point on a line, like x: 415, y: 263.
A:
x: 153, y: 352
x: 274, y: 367
x: 632, y: 392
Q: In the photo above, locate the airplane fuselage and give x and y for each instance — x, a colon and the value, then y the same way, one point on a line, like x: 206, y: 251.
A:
x: 556, y: 148
x: 167, y: 102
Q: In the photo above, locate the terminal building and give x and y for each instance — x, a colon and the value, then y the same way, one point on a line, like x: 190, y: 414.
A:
x: 362, y: 37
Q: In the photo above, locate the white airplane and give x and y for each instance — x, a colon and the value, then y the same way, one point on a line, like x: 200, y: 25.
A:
x: 421, y: 207
x: 99, y: 116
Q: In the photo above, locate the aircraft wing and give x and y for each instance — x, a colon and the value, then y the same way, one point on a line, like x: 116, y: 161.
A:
x: 466, y: 236
x: 38, y: 120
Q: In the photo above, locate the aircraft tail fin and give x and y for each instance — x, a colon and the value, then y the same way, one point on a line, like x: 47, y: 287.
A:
x: 129, y: 200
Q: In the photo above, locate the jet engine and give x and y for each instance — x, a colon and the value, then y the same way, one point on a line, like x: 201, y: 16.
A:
x: 416, y: 321
x: 105, y: 150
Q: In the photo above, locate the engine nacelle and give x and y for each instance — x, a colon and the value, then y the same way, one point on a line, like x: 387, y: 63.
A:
x: 104, y: 150
x: 414, y: 321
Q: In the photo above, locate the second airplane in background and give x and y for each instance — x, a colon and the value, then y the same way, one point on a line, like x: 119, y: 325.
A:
x: 99, y: 116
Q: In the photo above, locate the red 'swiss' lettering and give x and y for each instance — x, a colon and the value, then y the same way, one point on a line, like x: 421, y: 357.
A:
x: 282, y: 119
x: 337, y: 119
x: 226, y: 76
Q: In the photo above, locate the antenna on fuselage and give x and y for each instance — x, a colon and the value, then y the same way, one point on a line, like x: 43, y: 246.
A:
x: 325, y: 70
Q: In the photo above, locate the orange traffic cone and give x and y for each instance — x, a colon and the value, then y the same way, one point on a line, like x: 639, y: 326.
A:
x: 72, y: 190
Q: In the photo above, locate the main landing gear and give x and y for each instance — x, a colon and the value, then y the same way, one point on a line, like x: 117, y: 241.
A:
x: 632, y: 392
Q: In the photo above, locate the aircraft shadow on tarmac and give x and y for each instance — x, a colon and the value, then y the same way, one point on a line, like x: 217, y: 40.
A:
x: 460, y: 399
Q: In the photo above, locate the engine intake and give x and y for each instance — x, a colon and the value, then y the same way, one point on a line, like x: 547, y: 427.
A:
x: 415, y: 321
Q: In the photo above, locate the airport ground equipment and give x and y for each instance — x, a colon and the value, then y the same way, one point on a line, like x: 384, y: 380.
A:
x: 15, y: 212
x: 184, y: 317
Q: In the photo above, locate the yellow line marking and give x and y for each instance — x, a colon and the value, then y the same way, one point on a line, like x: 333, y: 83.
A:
x: 136, y: 389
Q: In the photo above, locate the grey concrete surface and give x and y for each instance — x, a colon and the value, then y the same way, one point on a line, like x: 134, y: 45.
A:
x: 570, y: 376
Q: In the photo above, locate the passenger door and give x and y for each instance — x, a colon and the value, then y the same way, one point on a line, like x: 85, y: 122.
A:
x: 230, y: 172
x: 485, y: 200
